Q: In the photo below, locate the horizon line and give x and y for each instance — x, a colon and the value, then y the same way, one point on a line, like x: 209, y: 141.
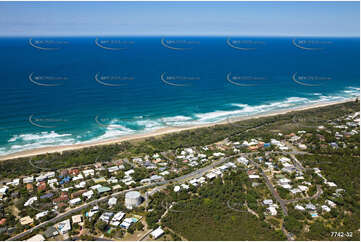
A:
x: 173, y: 35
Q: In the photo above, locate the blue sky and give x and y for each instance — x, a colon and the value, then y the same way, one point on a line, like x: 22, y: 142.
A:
x: 180, y: 18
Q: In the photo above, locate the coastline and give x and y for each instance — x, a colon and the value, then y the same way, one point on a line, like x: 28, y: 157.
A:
x: 162, y: 131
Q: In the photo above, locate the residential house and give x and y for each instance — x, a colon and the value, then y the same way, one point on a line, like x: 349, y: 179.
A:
x: 26, y: 220
x: 63, y: 227
x: 157, y: 233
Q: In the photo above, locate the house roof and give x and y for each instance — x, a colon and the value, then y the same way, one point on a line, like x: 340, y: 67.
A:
x: 103, y: 189
x: 157, y: 233
x: 26, y: 220
x: 77, y: 218
x: 50, y: 232
x: 37, y: 237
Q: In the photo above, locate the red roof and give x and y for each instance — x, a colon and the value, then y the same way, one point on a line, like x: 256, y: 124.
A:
x: 2, y: 221
x: 29, y: 186
x: 63, y: 197
x: 42, y: 186
x: 74, y: 171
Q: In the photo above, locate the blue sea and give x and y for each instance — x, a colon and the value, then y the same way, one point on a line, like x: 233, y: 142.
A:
x: 62, y: 91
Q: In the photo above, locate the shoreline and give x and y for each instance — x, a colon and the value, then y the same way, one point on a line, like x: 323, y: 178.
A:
x: 162, y: 131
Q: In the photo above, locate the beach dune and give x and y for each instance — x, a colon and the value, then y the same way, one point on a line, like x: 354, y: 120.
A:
x: 159, y: 132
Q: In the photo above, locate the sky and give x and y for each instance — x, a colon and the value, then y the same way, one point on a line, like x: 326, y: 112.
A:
x: 338, y: 19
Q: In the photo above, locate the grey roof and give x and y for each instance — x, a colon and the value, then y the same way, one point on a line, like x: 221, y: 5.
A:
x: 50, y: 232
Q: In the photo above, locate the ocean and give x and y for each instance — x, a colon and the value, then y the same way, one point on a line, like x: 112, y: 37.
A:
x: 62, y: 91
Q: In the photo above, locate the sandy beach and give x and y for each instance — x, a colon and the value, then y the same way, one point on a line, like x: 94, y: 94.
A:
x: 159, y: 132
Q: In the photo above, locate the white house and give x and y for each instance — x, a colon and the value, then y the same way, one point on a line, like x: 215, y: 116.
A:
x: 284, y: 159
x: 299, y: 207
x: 268, y: 202
x: 113, y: 169
x: 272, y: 211
x: 325, y: 208
x: 126, y: 223
x: 310, y: 206
x: 106, y: 216
x: 129, y: 172
x: 189, y: 150
x: 38, y: 237
x: 330, y: 203
x: 295, y: 190
x: 284, y: 181
x: 81, y: 184
x: 41, y: 214
x: 117, y: 218
x: 164, y: 173
x: 78, y: 177
x: 77, y: 218
x: 88, y: 194
x: 185, y: 186
x: 157, y: 233
x: 63, y: 227
x: 75, y: 201
x: 29, y: 179
x: 50, y: 174
x: 243, y: 161
x: 218, y: 154
x: 302, y: 188
x: 302, y: 146
x: 89, y: 172
x: 93, y: 211
x: 211, y: 175
x: 201, y: 180
x: 14, y: 182
x: 3, y: 189
x: 30, y: 201
x: 112, y: 201
x: 52, y: 181
x: 95, y: 187
x: 331, y: 184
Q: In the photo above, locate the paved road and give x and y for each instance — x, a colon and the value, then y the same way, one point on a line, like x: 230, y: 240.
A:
x: 289, y: 236
x: 272, y: 189
x: 194, y: 174
x: 293, y: 156
x: 145, y: 235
